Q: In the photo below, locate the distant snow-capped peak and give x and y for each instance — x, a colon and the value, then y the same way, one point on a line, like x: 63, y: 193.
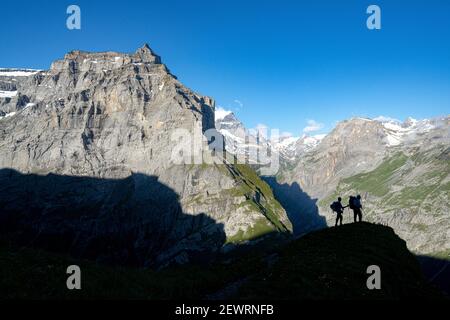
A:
x: 408, y: 125
x: 238, y: 138
x: 397, y: 131
x: 313, y: 141
x: 221, y: 113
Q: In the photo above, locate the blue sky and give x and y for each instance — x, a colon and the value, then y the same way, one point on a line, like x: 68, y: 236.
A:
x: 280, y: 63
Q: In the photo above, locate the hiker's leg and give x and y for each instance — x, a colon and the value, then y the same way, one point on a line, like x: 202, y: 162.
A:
x: 337, y: 219
x: 354, y: 215
x: 340, y: 218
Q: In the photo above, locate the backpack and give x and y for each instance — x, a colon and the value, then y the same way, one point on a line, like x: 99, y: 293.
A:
x: 351, y: 202
x: 357, y: 203
x: 334, y: 206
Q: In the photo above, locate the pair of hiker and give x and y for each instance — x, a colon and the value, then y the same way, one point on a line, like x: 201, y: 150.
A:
x: 354, y: 203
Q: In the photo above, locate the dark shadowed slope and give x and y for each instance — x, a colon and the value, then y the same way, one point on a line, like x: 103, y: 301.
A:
x: 132, y: 221
x: 328, y: 264
x: 332, y: 264
x: 437, y: 271
x: 301, y: 209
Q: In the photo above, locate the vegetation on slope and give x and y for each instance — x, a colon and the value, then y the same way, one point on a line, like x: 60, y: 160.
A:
x: 251, y: 195
x: 259, y: 197
x: 400, y: 180
x: 408, y: 191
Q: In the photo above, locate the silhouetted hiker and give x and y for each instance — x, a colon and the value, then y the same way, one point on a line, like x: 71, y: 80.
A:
x: 339, y: 209
x: 355, y: 204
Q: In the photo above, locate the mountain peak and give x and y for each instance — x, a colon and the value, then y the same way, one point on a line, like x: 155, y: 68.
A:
x: 409, y: 122
x: 146, y: 54
x: 221, y: 113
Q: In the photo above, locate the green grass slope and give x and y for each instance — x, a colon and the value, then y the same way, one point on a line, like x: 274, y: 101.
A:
x: 408, y: 191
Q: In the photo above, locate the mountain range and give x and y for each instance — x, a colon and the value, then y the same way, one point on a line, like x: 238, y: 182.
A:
x: 86, y: 168
x: 401, y: 169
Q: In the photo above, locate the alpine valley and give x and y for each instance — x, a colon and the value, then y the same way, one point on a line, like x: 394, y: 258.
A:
x: 401, y: 169
x: 87, y: 174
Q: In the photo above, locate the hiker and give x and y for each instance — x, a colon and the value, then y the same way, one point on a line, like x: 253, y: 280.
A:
x: 339, y: 209
x: 355, y: 204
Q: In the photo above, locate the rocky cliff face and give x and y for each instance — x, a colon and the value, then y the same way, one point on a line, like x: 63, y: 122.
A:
x: 10, y: 79
x: 94, y: 135
x: 353, y: 146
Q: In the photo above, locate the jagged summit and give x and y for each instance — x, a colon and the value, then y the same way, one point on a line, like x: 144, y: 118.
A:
x: 78, y: 60
x: 147, y: 54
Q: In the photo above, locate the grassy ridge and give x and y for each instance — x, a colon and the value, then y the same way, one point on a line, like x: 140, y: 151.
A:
x: 332, y: 264
x: 260, y: 198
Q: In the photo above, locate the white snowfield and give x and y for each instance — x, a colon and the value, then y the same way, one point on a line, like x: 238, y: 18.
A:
x: 397, y: 132
x: 8, y: 94
x: 289, y: 145
x: 221, y: 113
x: 313, y: 141
x: 286, y: 143
x: 17, y: 72
x: 7, y: 115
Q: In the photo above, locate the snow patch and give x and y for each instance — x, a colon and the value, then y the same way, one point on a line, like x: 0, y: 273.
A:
x: 394, y: 127
x: 17, y: 73
x: 228, y: 134
x: 384, y: 119
x: 8, y: 115
x: 363, y: 119
x: 397, y: 131
x: 221, y: 113
x: 8, y: 94
x: 393, y: 140
x: 319, y: 137
x: 288, y: 141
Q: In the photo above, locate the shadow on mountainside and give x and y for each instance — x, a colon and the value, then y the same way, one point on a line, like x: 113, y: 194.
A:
x: 326, y: 264
x: 437, y: 272
x: 132, y: 221
x: 301, y: 209
x: 332, y: 264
